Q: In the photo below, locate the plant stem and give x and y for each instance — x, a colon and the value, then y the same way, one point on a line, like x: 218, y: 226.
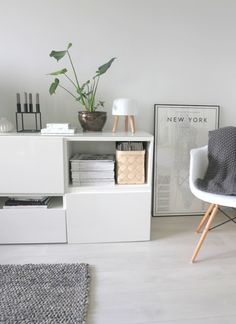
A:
x: 95, y: 90
x: 73, y: 69
x: 67, y: 91
x: 90, y: 97
x: 87, y: 96
x: 71, y: 80
x: 77, y: 81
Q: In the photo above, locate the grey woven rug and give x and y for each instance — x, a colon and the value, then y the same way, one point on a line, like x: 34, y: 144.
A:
x: 44, y: 293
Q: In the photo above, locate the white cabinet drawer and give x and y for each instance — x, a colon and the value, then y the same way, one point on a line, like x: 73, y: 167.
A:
x: 108, y: 217
x: 32, y: 226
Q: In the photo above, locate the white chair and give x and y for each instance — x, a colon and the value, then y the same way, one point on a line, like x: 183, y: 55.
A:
x: 198, y: 167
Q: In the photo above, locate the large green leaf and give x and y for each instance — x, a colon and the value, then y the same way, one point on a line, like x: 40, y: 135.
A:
x: 103, y: 68
x: 53, y: 86
x: 58, y: 54
x: 63, y: 71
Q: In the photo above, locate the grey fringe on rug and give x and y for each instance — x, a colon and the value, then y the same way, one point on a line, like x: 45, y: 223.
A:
x: 44, y: 293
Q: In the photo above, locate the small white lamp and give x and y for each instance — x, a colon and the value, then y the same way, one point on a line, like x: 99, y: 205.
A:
x: 124, y: 107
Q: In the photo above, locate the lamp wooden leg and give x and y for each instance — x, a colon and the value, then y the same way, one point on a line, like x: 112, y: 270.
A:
x: 116, y: 121
x: 126, y: 123
x: 204, y: 233
x: 132, y: 124
x: 205, y: 217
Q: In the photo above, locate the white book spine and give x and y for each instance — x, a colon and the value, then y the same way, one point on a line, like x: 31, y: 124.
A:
x: 57, y: 131
x: 56, y: 126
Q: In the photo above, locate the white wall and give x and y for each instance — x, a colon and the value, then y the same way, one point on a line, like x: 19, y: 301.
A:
x: 168, y: 51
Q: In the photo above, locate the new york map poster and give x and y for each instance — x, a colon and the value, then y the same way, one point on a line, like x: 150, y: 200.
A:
x: 178, y: 129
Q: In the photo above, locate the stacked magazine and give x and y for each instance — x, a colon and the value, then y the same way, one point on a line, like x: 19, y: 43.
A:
x: 27, y: 202
x: 92, y: 169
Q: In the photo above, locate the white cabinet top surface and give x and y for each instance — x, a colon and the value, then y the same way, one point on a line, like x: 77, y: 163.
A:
x: 92, y: 136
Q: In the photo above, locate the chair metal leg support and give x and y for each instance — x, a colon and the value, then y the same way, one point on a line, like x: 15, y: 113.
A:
x: 205, y: 217
x: 204, y: 234
x: 229, y: 220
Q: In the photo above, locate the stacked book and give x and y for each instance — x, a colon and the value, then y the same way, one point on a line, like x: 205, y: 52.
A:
x: 27, y: 202
x: 53, y: 128
x: 93, y: 169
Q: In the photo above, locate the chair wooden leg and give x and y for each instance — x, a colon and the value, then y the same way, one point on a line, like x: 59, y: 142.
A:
x: 115, y: 124
x: 204, y: 233
x: 205, y: 217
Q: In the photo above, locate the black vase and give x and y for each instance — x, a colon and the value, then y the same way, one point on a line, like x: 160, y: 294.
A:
x: 92, y: 121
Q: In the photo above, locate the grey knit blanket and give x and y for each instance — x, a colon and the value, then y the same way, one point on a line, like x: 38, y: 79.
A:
x: 220, y: 177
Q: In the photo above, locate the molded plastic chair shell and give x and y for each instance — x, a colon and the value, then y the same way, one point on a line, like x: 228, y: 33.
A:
x: 198, y: 168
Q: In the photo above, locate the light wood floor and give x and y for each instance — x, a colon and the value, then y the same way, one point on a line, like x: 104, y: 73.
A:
x: 152, y: 282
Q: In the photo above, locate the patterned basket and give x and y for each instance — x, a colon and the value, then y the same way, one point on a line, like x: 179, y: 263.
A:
x: 130, y: 167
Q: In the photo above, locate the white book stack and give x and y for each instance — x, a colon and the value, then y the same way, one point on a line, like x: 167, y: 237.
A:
x: 53, y: 128
x: 93, y: 169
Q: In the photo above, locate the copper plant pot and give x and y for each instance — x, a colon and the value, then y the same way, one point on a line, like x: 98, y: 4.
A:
x: 92, y: 121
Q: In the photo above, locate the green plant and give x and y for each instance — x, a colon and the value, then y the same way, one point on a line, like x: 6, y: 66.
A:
x: 84, y: 93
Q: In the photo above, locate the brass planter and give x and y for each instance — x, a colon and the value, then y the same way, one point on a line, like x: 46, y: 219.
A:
x: 92, y: 121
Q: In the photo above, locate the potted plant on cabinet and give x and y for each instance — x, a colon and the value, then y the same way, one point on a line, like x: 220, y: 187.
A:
x: 84, y: 93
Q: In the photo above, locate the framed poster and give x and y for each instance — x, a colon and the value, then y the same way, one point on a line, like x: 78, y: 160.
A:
x: 178, y: 129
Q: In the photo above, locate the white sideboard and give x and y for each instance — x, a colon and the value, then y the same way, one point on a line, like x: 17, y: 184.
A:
x: 35, y: 164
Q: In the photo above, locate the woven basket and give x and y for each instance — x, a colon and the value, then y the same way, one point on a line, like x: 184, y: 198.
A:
x: 130, y: 167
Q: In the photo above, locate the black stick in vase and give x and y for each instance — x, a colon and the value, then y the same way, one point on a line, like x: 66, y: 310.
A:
x: 18, y: 105
x: 37, y: 103
x: 26, y: 103
x: 30, y: 103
